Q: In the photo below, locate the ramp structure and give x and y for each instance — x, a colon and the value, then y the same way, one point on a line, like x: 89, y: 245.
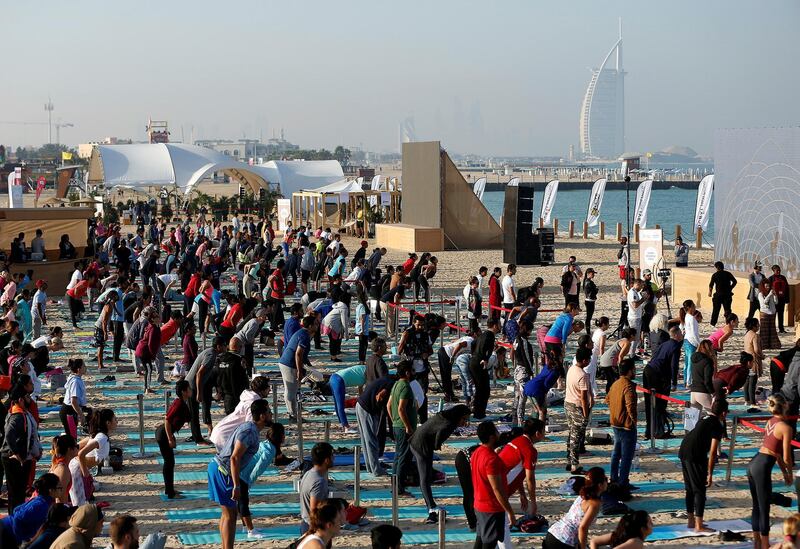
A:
x: 436, y: 195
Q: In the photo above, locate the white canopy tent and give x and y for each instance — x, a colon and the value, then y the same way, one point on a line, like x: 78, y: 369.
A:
x: 166, y: 164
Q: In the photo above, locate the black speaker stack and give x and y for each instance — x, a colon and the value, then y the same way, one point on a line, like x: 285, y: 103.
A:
x: 521, y: 245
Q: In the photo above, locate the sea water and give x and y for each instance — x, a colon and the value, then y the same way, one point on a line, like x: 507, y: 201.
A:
x: 668, y: 207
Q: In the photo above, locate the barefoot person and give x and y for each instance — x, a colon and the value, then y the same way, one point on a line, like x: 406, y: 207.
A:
x: 776, y: 447
x: 698, y: 454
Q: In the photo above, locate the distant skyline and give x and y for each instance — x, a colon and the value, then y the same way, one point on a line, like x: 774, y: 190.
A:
x: 490, y: 79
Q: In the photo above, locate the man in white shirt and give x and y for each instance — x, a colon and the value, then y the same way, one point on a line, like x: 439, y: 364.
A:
x: 77, y: 276
x: 572, y: 261
x: 635, y: 309
x: 446, y: 355
x: 509, y: 290
x: 335, y: 244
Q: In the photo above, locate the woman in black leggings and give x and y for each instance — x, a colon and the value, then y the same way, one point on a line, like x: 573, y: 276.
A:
x: 178, y: 414
x: 429, y: 438
x: 777, y: 446
x: 464, y: 470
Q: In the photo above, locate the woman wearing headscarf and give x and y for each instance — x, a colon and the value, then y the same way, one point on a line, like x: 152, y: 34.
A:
x: 428, y: 438
x: 84, y: 525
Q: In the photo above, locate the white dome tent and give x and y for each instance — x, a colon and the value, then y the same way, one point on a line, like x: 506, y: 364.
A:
x: 140, y: 166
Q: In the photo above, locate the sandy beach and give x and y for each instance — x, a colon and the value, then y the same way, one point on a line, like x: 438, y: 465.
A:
x: 136, y: 489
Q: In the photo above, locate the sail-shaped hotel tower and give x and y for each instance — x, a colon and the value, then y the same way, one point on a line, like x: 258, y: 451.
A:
x: 602, y: 120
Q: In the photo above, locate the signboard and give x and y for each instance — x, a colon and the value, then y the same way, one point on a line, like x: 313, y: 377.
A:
x: 651, y: 249
x: 15, y: 188
x: 284, y: 213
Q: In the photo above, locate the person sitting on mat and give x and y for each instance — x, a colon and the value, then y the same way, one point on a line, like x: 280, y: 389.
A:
x: 698, y: 454
x: 632, y: 530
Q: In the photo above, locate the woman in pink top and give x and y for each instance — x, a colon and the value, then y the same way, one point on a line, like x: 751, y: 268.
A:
x: 722, y: 333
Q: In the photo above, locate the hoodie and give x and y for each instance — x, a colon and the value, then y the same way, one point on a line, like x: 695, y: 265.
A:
x: 223, y: 430
x: 82, y: 528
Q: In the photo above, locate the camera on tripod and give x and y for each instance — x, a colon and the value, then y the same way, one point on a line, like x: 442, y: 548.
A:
x: 664, y: 274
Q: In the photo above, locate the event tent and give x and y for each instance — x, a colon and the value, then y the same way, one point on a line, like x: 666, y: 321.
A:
x: 176, y: 164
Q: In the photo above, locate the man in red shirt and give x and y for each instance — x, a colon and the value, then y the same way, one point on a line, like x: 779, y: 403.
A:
x: 495, y: 297
x: 491, y: 489
x: 519, y: 456
x: 75, y: 297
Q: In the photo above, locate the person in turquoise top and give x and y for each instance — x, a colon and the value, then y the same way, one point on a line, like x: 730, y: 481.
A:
x: 403, y: 414
x: 24, y: 315
x: 355, y: 376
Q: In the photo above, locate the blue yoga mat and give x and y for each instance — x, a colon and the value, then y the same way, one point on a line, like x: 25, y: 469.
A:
x: 258, y: 490
x: 211, y: 537
x: 258, y: 510
x: 413, y: 512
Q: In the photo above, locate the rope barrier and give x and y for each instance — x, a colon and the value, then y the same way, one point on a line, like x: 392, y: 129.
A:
x: 503, y: 309
x: 755, y: 427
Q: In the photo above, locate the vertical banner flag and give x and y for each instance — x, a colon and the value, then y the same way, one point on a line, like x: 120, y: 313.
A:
x: 479, y: 187
x: 642, y: 202
x: 704, y: 192
x: 596, y: 202
x: 549, y: 200
x: 284, y: 213
x: 40, y: 183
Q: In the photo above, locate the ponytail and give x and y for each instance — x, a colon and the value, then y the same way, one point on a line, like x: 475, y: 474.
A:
x: 99, y: 421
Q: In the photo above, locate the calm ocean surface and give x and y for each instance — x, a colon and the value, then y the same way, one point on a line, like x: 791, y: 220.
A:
x: 668, y: 208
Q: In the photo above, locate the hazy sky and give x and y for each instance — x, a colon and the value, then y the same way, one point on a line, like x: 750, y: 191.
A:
x: 503, y: 78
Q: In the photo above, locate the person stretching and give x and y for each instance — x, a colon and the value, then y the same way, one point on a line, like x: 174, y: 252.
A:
x: 698, y: 454
x: 429, y: 438
x: 224, y: 485
x: 572, y: 530
x: 339, y: 382
x: 776, y: 446
x: 178, y: 415
x: 519, y: 457
x: 491, y: 491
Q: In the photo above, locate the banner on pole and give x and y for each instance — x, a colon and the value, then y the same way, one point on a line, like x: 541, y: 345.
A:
x: 642, y: 202
x: 704, y: 192
x: 596, y: 202
x: 549, y: 200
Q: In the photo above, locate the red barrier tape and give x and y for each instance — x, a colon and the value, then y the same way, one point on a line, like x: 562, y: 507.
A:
x: 449, y: 324
x: 761, y: 430
x: 495, y: 307
x: 662, y: 397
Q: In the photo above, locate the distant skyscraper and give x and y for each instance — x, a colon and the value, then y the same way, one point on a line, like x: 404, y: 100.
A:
x: 406, y: 132
x: 602, y: 120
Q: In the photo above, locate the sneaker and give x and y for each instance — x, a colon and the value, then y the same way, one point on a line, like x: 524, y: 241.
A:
x: 255, y: 534
x: 433, y: 518
x: 350, y: 431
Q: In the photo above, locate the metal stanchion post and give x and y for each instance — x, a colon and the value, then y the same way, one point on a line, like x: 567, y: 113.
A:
x: 395, y: 490
x: 396, y: 323
x: 458, y: 316
x: 731, y: 449
x: 275, y: 401
x: 536, y: 362
x: 357, y: 471
x: 441, y: 404
x: 140, y: 402
x: 327, y: 430
x: 442, y: 300
x: 299, y: 430
x: 429, y: 303
x: 167, y: 398
x: 652, y: 449
x: 442, y: 527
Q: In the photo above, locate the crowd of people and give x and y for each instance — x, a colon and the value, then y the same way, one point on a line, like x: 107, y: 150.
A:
x: 163, y: 285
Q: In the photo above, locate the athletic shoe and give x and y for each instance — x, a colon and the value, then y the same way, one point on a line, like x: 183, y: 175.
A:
x: 433, y: 518
x: 350, y: 431
x: 255, y: 534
